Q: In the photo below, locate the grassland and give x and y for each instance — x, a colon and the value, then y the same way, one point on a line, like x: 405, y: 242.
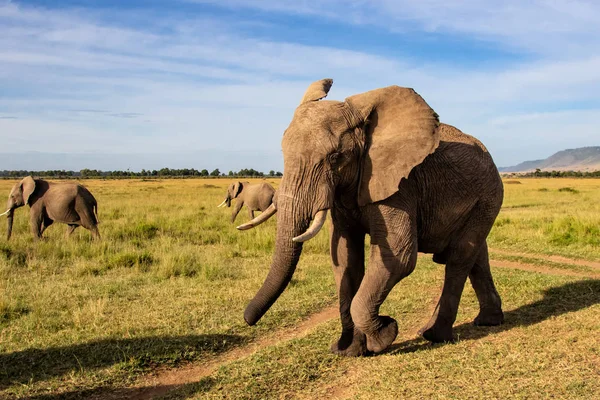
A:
x: 165, y: 289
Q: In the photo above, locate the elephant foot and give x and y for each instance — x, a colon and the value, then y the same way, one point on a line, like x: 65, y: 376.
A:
x: 437, y: 333
x: 384, y: 336
x: 489, y: 318
x: 351, y: 344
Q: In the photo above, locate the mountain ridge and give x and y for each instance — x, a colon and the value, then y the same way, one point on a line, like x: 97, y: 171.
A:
x: 578, y: 159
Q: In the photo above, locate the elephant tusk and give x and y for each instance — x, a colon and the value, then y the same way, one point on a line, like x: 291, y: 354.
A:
x: 5, y: 212
x: 222, y: 204
x: 314, y: 228
x: 269, y: 212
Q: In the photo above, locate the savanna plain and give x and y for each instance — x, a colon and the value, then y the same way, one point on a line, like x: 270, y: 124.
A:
x: 155, y: 308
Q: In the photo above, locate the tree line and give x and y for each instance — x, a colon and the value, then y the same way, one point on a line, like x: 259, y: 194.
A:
x: 163, y: 172
x: 538, y: 173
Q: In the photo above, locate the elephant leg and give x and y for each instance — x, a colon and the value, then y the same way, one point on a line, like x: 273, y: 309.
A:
x: 348, y: 262
x: 93, y: 228
x: 46, y: 222
x: 393, y: 257
x: 236, y: 210
x: 439, y: 327
x: 461, y: 260
x: 95, y: 232
x: 490, y: 304
x: 250, y: 213
x: 36, y: 221
x: 70, y: 229
x: 89, y: 222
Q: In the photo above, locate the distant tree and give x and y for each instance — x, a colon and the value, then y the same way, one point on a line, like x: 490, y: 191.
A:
x: 204, y: 172
x: 215, y: 172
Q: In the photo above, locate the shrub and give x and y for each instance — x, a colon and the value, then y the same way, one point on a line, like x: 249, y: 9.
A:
x: 568, y: 230
x: 502, y: 221
x: 568, y: 189
x: 141, y: 230
x: 141, y: 261
x: 11, y: 310
x: 13, y: 257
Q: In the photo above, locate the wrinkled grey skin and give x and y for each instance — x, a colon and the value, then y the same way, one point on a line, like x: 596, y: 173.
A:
x: 68, y: 203
x: 256, y: 197
x: 384, y: 166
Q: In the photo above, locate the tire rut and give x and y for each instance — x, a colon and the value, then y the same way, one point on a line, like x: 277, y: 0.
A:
x: 554, y: 258
x: 167, y: 380
x: 541, y: 269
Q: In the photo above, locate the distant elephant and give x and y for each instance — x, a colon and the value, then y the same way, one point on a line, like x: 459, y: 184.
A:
x: 256, y: 197
x: 384, y: 166
x: 68, y: 203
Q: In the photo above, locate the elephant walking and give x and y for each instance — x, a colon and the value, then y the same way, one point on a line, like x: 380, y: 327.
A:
x: 69, y: 203
x: 385, y: 167
x: 256, y: 197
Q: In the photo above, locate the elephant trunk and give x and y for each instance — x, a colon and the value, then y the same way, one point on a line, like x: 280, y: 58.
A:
x: 287, y: 253
x: 9, y: 217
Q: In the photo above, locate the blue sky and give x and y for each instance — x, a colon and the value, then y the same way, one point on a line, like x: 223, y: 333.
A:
x: 213, y: 83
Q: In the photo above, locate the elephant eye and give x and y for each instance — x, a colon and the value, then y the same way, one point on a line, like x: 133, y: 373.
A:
x: 334, y: 157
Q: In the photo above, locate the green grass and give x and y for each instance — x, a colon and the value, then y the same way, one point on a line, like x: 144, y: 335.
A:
x: 547, y: 348
x: 545, y: 263
x: 168, y: 284
x: 550, y: 216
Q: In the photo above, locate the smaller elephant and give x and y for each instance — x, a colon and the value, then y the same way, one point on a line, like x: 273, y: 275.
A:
x: 257, y: 197
x: 69, y: 203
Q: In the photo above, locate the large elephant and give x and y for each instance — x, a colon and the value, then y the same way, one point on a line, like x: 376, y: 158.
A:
x: 68, y: 203
x: 384, y: 166
x: 256, y: 197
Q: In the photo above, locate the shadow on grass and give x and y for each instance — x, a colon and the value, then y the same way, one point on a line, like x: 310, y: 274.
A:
x: 110, y: 393
x: 32, y: 365
x: 573, y: 296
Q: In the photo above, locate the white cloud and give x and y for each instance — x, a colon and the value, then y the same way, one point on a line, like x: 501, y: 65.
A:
x: 193, y: 84
x: 557, y: 27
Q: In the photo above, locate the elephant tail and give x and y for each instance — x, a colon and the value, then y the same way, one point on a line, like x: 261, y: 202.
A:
x: 96, y: 213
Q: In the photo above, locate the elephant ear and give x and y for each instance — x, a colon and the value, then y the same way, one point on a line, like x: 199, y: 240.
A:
x: 401, y: 131
x: 28, y: 187
x: 317, y: 90
x: 237, y: 189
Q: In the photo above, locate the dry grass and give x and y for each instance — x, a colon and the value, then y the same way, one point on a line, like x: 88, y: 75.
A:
x: 551, y: 216
x: 168, y: 284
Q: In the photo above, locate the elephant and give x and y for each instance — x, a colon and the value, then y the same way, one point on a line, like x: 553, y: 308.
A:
x: 384, y: 166
x: 257, y: 197
x: 69, y: 203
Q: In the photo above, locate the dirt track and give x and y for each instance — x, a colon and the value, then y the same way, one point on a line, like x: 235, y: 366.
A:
x: 164, y: 381
x: 557, y: 259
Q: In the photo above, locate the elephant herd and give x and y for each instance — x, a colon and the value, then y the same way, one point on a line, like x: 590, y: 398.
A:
x: 382, y: 165
x: 74, y: 205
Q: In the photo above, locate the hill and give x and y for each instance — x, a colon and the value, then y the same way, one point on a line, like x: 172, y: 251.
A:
x: 581, y: 159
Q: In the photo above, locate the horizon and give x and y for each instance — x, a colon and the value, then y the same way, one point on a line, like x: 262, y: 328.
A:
x: 213, y: 84
x: 122, y: 162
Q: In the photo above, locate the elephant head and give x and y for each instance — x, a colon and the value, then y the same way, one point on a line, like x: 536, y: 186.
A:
x: 233, y: 191
x: 351, y: 152
x: 19, y: 196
